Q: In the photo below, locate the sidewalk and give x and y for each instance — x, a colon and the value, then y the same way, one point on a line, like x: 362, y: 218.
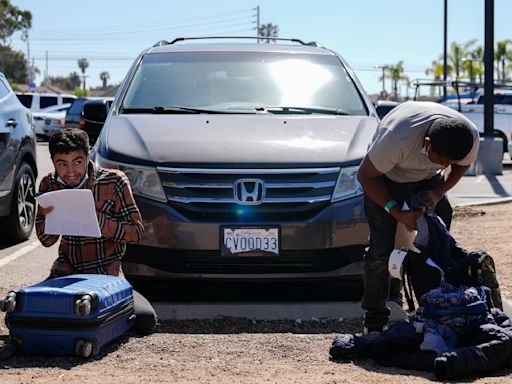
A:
x: 483, y: 189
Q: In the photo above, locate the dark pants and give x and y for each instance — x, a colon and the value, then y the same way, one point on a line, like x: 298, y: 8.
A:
x: 382, y: 241
x: 145, y: 320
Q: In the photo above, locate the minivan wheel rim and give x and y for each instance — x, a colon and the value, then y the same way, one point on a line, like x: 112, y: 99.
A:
x: 26, y: 203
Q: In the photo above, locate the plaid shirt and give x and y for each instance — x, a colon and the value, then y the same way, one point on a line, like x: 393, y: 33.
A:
x: 119, y: 220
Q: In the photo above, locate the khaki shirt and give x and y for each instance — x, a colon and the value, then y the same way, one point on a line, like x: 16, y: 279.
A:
x: 396, y: 147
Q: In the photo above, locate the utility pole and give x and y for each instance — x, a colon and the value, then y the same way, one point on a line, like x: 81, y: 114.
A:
x: 46, y: 81
x: 29, y: 68
x: 445, y: 59
x: 257, y: 9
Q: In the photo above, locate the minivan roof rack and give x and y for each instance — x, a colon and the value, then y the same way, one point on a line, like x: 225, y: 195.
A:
x: 165, y: 42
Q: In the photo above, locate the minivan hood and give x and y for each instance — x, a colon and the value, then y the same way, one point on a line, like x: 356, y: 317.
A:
x: 237, y: 138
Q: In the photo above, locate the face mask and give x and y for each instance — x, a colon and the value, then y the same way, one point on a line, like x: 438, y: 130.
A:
x: 80, y: 185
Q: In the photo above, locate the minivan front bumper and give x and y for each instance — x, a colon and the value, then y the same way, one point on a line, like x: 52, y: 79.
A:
x: 329, y: 245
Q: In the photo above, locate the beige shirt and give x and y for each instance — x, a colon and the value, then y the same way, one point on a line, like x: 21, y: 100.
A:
x: 396, y: 147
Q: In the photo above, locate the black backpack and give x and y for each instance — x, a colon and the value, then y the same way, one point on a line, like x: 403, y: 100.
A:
x: 443, y: 260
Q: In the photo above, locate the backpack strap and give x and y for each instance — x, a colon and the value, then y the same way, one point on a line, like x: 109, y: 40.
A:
x: 406, y: 280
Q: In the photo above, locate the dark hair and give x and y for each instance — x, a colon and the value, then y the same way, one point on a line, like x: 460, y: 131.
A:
x: 68, y: 140
x: 451, y: 138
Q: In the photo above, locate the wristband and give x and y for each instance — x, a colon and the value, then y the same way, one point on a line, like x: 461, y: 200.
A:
x: 390, y: 204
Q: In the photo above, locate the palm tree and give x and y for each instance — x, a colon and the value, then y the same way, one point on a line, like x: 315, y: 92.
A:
x: 104, y: 76
x: 475, y: 65
x: 457, y: 55
x: 268, y: 30
x: 437, y: 69
x: 83, y: 63
x: 395, y: 73
x: 501, y: 57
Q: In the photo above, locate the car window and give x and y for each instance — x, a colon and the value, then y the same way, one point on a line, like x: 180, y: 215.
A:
x: 4, y: 91
x: 26, y: 100
x: 243, y: 81
x: 76, y: 107
x: 68, y: 99
x: 46, y: 101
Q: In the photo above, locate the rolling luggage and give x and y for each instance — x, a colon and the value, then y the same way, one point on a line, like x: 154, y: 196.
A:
x: 73, y: 315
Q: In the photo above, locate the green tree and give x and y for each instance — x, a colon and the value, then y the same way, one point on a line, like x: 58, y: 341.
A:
x: 268, y: 30
x: 456, y: 56
x: 104, y: 76
x: 79, y: 92
x: 475, y: 65
x: 83, y: 64
x: 501, y: 57
x: 396, y: 74
x: 12, y: 19
x: 13, y: 65
x: 69, y: 82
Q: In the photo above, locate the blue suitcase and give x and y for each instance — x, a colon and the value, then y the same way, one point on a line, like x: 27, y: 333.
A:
x: 69, y: 316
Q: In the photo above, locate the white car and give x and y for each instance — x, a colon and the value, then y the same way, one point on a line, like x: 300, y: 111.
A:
x: 39, y: 117
x: 53, y: 122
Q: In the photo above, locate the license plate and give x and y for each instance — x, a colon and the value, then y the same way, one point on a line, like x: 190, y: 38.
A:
x: 249, y: 241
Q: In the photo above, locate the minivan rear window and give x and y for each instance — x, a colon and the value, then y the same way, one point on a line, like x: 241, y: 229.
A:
x: 48, y: 101
x: 249, y: 81
x: 26, y: 100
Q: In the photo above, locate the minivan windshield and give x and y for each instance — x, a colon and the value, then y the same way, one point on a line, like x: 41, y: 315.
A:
x: 242, y: 82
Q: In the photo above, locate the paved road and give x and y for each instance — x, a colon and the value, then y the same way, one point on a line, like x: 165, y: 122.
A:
x: 484, y: 188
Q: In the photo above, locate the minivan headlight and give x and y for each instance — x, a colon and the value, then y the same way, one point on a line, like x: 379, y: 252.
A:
x: 144, y: 181
x: 347, y: 185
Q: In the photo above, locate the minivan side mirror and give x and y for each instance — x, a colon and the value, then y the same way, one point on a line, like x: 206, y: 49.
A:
x: 95, y: 111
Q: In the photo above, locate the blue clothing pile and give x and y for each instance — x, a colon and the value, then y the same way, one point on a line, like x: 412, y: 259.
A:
x: 453, y: 333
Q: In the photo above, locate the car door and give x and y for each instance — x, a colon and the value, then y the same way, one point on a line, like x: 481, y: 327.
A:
x: 7, y: 120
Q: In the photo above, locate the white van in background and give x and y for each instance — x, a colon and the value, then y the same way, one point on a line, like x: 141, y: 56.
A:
x: 38, y: 101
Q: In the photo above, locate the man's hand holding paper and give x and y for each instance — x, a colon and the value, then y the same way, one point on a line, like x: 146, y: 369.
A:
x: 69, y: 212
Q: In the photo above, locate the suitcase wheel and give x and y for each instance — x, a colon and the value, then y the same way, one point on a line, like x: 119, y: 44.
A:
x: 83, y: 305
x: 9, y: 303
x: 83, y: 348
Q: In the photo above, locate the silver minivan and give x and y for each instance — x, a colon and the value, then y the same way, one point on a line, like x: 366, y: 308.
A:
x: 242, y: 159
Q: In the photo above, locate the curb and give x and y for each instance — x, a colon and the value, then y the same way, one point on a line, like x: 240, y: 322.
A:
x: 485, y: 202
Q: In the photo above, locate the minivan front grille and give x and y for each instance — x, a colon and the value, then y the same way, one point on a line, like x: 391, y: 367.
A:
x: 240, y: 195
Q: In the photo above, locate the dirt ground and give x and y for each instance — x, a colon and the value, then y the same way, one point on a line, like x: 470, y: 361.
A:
x: 238, y: 351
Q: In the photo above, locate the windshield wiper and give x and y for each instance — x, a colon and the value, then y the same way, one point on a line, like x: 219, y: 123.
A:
x: 172, y: 109
x: 305, y: 110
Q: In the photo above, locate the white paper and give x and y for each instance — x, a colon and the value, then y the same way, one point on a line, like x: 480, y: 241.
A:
x: 396, y: 259
x: 74, y: 213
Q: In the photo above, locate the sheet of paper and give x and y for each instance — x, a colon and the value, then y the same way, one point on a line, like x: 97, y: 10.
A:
x: 74, y: 213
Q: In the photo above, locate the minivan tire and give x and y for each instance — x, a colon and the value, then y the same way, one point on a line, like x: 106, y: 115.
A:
x: 20, y: 222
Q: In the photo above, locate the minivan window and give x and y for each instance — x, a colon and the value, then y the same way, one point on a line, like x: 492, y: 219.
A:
x: 243, y: 81
x: 67, y: 100
x: 47, y: 101
x: 26, y: 100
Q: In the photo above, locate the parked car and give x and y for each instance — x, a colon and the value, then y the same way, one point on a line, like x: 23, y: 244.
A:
x: 18, y: 170
x: 53, y: 122
x: 39, y: 101
x: 50, y: 112
x: 243, y: 161
x: 383, y: 107
x: 100, y: 108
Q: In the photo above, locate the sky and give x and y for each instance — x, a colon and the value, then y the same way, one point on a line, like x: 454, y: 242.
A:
x: 367, y: 33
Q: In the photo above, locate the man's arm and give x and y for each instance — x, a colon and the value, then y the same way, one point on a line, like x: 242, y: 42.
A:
x: 46, y: 240
x: 126, y: 225
x: 456, y: 173
x: 371, y: 179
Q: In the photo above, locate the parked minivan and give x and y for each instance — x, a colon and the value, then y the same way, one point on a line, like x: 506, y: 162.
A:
x: 39, y: 101
x: 242, y: 159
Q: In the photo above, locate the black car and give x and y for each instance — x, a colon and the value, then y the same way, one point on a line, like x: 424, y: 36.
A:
x: 74, y: 114
x: 18, y: 170
x: 100, y: 108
